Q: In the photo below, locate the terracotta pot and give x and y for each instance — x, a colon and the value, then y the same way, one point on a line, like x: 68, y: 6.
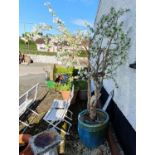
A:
x: 65, y: 94
x: 24, y: 139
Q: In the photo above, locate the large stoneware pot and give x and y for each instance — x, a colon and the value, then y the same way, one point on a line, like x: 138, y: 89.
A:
x: 93, y: 135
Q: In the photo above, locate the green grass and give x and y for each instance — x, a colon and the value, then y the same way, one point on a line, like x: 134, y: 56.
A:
x: 33, y: 50
x: 22, y: 45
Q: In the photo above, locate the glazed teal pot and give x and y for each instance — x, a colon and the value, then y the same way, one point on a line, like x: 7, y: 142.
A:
x: 93, y: 135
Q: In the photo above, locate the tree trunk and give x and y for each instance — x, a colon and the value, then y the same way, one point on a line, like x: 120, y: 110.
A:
x: 94, y: 101
x: 91, y: 105
x: 48, y: 50
x: 89, y: 88
x: 89, y: 93
x: 92, y: 112
x: 28, y: 47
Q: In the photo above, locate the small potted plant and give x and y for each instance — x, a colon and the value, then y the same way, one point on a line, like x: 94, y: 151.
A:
x: 63, y: 79
x: 64, y: 89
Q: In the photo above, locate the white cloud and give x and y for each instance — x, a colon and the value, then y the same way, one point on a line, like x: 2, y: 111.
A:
x: 81, y: 22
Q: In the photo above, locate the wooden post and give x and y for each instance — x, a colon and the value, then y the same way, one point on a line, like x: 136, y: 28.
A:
x: 62, y: 144
x: 52, y: 72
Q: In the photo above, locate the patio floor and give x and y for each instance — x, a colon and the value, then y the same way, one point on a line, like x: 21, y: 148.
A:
x: 72, y: 142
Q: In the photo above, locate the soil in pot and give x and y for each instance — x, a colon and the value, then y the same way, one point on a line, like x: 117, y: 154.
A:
x: 99, y: 118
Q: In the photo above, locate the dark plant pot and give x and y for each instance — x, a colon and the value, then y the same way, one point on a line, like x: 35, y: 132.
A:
x: 74, y: 97
x: 82, y: 95
x: 93, y: 135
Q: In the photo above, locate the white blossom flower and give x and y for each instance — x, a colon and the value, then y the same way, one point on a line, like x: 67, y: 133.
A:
x: 50, y: 10
x: 67, y: 65
x: 55, y: 20
x: 85, y: 72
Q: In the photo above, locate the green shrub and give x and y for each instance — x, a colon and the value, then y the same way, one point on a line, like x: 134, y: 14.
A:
x: 80, y: 84
x: 60, y: 86
x: 75, y: 72
x: 82, y: 54
x: 63, y: 87
x: 63, y: 70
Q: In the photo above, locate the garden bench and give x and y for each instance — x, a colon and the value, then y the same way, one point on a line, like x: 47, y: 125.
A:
x: 26, y: 100
x: 58, y: 113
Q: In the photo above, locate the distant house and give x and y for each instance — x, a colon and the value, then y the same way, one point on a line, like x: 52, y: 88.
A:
x: 54, y: 45
x: 41, y: 45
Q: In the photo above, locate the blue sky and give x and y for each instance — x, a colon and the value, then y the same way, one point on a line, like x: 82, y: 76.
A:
x: 72, y: 12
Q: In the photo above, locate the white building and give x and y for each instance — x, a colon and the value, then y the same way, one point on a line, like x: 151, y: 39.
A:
x: 54, y: 45
x: 41, y: 46
x: 124, y: 96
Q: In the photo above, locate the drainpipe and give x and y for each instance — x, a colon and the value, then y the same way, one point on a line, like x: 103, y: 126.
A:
x: 99, y: 5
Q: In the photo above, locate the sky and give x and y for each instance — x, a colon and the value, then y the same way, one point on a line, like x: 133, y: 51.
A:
x: 73, y: 12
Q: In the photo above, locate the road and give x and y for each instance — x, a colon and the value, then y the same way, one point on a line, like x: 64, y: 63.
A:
x: 31, y: 74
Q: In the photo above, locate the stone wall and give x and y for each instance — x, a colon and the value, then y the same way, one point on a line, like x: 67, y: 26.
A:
x: 53, y: 60
x: 44, y: 59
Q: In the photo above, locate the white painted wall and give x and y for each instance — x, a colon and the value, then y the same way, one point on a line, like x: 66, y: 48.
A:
x: 41, y: 47
x: 125, y: 95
